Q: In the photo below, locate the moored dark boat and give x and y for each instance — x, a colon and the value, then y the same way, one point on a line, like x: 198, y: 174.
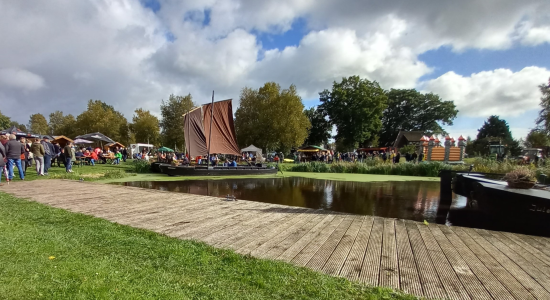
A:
x: 215, y: 171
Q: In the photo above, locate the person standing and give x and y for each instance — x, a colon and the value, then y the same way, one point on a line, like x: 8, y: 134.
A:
x: 420, y: 157
x: 2, y: 155
x: 67, y: 151
x: 124, y: 154
x: 14, y: 150
x: 37, y: 151
x: 25, y: 156
x: 49, y: 150
x: 414, y: 156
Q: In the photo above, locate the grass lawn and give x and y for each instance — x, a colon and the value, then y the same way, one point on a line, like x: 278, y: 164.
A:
x: 85, y: 172
x: 358, y: 177
x: 50, y: 253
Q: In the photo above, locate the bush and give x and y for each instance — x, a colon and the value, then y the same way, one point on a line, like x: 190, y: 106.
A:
x: 114, y: 174
x: 141, y: 166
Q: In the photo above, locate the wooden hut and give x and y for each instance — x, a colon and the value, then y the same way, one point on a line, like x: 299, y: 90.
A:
x: 308, y: 152
x: 113, y: 146
x: 61, y: 140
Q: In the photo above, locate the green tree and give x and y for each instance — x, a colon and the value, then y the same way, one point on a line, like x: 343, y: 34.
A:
x: 56, y: 122
x: 543, y: 119
x: 494, y: 127
x: 172, y: 112
x: 145, y: 127
x: 355, y: 106
x: 411, y: 110
x: 38, y: 124
x: 4, y: 121
x: 537, y: 139
x: 60, y: 124
x: 271, y: 118
x: 101, y: 117
x: 320, y: 130
x: 19, y: 126
x: 494, y: 131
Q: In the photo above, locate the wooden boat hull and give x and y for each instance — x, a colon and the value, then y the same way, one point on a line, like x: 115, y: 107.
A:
x: 215, y: 171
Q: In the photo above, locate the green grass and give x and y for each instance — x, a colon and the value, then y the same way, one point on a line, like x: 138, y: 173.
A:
x: 50, y: 253
x: 358, y: 177
x: 87, y: 173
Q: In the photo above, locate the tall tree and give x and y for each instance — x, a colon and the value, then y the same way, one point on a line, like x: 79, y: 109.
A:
x: 145, y: 127
x: 537, y: 139
x: 56, y: 122
x: 4, y: 121
x: 101, y: 117
x: 543, y: 119
x: 172, y: 112
x: 494, y: 127
x: 320, y: 130
x: 38, y: 124
x: 355, y: 106
x: 411, y: 110
x: 271, y: 118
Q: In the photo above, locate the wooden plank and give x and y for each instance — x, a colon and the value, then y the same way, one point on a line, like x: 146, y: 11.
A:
x: 489, y: 281
x: 525, y: 250
x: 530, y: 272
x: 449, y: 279
x: 352, y: 265
x: 409, y: 279
x: 500, y: 272
x: 289, y: 254
x: 270, y: 233
x: 389, y: 269
x: 269, y: 220
x: 535, y: 243
x: 334, y: 264
x: 465, y: 274
x: 262, y: 250
x: 281, y: 246
x: 318, y: 260
x: 431, y: 285
x: 305, y: 255
x: 370, y: 270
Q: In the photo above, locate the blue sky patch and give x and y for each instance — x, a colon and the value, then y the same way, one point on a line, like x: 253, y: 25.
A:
x: 290, y: 37
x: 443, y: 60
x: 153, y: 5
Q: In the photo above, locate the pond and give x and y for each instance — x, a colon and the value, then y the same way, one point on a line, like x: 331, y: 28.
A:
x: 412, y: 200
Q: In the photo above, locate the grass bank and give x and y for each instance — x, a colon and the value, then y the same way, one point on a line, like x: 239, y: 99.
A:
x: 357, y: 177
x: 87, y: 173
x: 49, y: 253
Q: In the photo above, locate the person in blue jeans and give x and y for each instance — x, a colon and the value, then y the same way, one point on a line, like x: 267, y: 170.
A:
x: 14, y: 150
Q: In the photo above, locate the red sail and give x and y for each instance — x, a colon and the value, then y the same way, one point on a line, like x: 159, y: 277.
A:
x: 195, y: 139
x: 224, y: 139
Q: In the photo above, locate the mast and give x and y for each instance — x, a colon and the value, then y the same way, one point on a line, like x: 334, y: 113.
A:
x: 210, y: 133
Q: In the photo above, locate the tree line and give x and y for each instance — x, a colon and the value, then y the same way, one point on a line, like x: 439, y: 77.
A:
x: 270, y: 117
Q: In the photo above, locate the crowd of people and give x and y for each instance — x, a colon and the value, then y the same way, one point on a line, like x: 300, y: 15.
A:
x: 22, y: 153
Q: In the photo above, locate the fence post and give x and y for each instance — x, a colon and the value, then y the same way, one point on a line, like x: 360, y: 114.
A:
x: 447, y: 148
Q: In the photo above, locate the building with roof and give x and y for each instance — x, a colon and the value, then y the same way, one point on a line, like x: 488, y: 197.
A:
x: 408, y: 138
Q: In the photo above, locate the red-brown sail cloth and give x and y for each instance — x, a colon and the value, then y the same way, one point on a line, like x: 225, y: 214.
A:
x: 195, y: 138
x: 224, y: 139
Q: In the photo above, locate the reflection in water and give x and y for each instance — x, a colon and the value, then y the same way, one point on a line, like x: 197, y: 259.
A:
x: 413, y: 200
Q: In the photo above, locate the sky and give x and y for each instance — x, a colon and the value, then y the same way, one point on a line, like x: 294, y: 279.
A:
x: 487, y: 56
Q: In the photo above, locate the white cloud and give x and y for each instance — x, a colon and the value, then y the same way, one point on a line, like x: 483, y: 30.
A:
x: 20, y: 79
x: 498, y: 92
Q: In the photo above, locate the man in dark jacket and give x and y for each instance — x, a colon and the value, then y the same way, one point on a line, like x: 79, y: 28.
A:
x: 2, y: 163
x: 14, y: 150
x: 50, y: 151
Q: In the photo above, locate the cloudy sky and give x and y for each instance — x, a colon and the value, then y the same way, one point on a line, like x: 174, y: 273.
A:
x: 488, y: 56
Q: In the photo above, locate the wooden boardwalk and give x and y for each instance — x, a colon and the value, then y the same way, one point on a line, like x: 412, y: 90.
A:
x: 434, y: 261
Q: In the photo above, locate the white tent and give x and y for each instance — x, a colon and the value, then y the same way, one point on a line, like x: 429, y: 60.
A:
x: 257, y: 151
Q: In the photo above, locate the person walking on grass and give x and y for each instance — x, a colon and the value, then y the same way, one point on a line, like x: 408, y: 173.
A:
x: 14, y: 150
x: 37, y: 151
x: 67, y: 151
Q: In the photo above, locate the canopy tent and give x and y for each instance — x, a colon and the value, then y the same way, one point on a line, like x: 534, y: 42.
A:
x: 165, y: 149
x: 312, y: 148
x: 61, y: 140
x: 18, y: 133
x: 210, y: 128
x: 96, y: 136
x: 82, y: 141
x: 251, y: 148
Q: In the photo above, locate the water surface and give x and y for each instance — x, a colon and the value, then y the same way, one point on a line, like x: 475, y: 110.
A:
x: 412, y: 200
